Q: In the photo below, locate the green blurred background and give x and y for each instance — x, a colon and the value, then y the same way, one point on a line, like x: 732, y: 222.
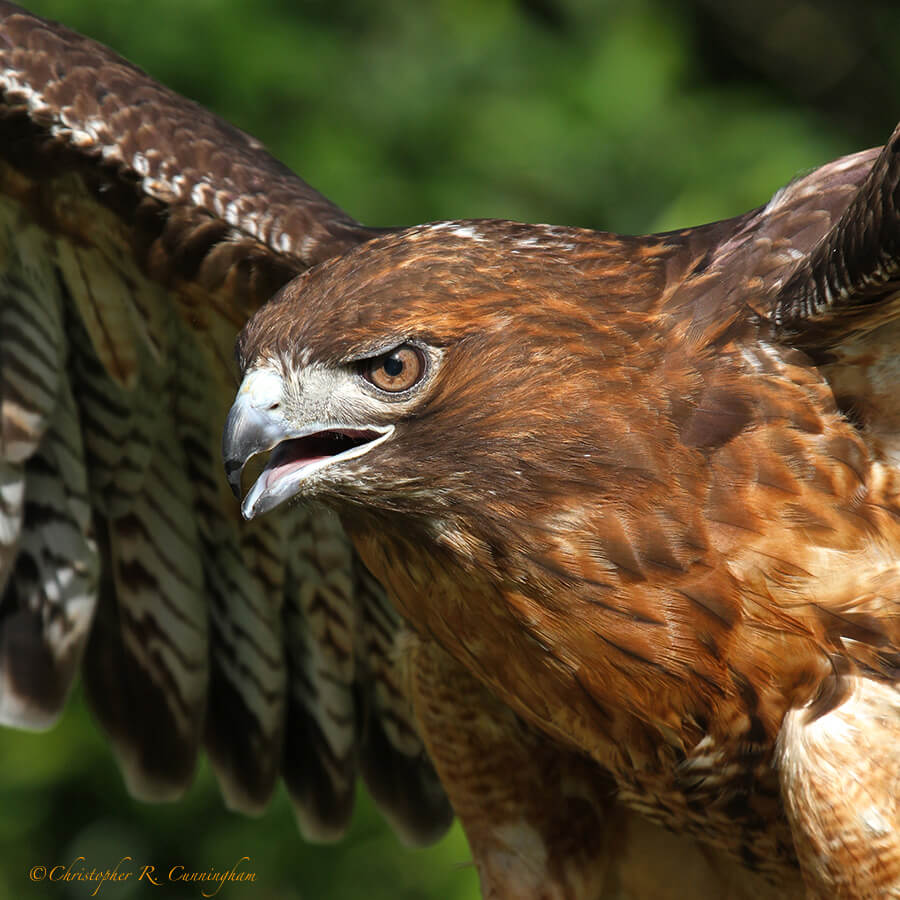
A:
x: 637, y: 115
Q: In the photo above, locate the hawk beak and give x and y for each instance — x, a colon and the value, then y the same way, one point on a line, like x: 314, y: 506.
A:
x: 256, y: 424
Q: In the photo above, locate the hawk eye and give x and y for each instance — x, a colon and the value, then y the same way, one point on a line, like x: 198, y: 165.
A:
x: 397, y: 370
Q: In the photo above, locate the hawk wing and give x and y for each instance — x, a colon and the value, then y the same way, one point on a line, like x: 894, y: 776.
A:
x: 137, y: 234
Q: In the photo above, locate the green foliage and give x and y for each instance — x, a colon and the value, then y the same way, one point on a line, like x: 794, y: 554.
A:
x: 629, y: 116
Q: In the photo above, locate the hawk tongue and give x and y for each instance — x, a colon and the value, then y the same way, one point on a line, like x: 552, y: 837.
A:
x: 291, y: 455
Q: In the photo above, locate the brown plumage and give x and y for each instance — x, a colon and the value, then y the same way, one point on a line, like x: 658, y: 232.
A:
x: 635, y: 499
x: 625, y: 499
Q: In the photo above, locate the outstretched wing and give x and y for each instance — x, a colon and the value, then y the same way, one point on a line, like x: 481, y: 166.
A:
x: 137, y: 233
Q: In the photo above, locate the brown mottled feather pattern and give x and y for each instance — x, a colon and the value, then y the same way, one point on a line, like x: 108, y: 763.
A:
x: 137, y: 233
x: 571, y: 839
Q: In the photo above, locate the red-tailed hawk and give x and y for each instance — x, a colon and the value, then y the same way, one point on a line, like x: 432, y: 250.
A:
x: 636, y: 500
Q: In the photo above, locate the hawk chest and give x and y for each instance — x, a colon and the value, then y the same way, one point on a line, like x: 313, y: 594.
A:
x: 723, y: 793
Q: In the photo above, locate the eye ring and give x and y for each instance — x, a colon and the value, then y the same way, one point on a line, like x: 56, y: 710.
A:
x: 397, y: 370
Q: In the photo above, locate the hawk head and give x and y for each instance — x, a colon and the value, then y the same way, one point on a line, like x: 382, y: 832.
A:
x: 448, y: 370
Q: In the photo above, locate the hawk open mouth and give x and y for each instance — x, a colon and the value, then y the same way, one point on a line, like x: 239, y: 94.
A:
x: 294, y: 459
x: 294, y: 454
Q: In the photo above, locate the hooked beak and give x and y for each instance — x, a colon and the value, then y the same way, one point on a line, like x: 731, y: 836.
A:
x: 256, y: 424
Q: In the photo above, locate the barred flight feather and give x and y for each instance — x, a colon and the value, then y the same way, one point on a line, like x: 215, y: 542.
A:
x: 47, y: 561
x: 153, y: 623
x: 12, y: 508
x: 119, y: 423
x: 248, y: 674
x: 394, y: 763
x: 320, y: 618
x: 32, y: 345
x: 48, y: 605
x: 245, y: 686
